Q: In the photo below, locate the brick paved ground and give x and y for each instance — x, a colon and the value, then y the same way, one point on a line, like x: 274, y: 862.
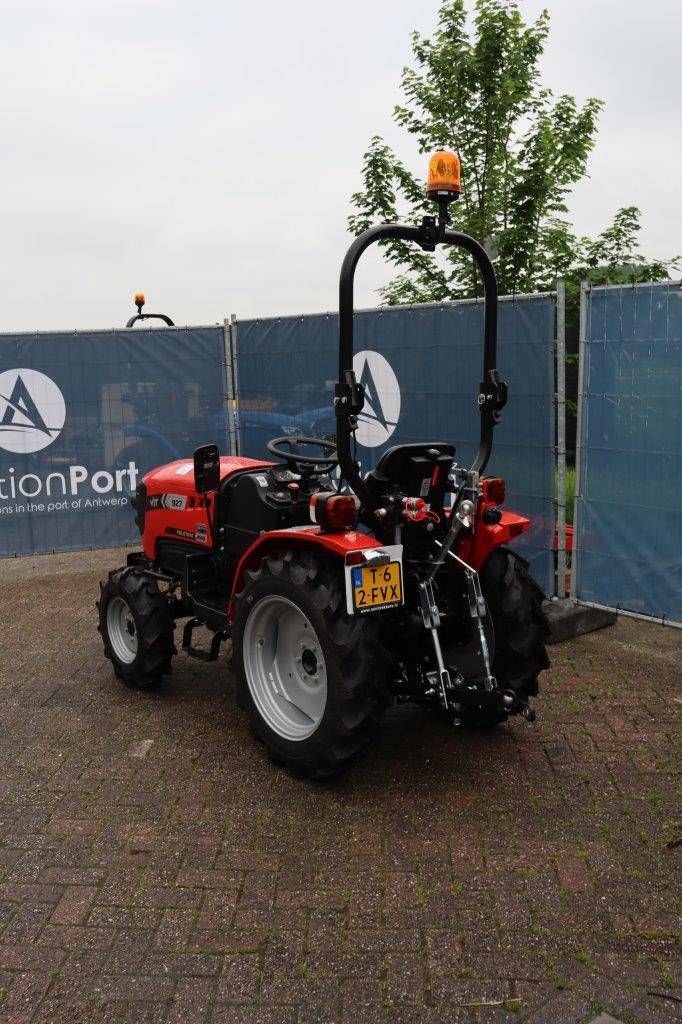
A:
x: 156, y: 868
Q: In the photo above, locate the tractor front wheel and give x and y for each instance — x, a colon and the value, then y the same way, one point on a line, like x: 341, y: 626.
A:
x: 310, y: 676
x: 136, y: 627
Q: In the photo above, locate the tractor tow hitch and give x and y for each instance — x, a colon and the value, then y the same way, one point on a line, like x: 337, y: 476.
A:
x: 493, y: 700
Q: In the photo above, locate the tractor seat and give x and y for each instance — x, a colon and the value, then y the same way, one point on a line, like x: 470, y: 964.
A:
x: 417, y: 470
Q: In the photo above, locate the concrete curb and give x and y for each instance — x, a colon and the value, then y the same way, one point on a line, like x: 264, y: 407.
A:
x: 567, y: 619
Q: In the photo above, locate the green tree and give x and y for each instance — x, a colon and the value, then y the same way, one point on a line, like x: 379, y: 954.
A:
x: 522, y: 151
x: 613, y: 257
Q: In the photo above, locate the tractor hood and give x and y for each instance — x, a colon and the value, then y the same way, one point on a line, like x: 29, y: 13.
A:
x: 178, y: 477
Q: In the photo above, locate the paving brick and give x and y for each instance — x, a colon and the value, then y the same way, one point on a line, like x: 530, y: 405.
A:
x: 76, y: 937
x: 74, y: 905
x: 131, y: 989
x: 246, y: 860
x: 326, y: 1012
x: 72, y: 875
x: 380, y: 940
x: 203, y: 878
x: 26, y: 923
x: 405, y: 979
x: 192, y: 1000
x: 240, y: 978
x: 361, y: 1000
x: 16, y: 893
x: 179, y: 965
x: 25, y: 995
x: 76, y: 975
x: 175, y: 929
x: 68, y: 1010
x: 573, y: 874
x: 253, y: 1015
x: 229, y: 940
x: 128, y: 951
x: 325, y: 931
x: 30, y: 958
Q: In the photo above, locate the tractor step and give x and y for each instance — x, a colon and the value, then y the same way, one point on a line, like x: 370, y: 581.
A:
x: 195, y: 652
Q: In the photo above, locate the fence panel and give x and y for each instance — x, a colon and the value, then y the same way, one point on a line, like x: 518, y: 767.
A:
x: 84, y: 415
x: 421, y: 367
x: 629, y: 492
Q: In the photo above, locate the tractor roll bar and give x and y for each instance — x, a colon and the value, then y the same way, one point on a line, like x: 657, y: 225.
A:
x: 150, y: 316
x: 349, y: 395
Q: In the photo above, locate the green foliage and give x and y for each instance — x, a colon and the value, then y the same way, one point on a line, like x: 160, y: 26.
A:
x: 613, y: 257
x: 522, y: 151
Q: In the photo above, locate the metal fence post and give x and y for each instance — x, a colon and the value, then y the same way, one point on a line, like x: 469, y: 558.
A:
x: 229, y: 387
x: 235, y: 384
x: 560, y: 585
x: 582, y: 342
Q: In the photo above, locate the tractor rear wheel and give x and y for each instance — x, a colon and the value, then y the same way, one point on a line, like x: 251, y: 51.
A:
x: 136, y: 627
x: 310, y: 676
x: 514, y: 602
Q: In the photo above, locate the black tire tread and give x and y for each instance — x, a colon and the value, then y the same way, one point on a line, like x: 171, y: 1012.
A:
x: 521, y: 628
x: 154, y: 627
x: 357, y: 652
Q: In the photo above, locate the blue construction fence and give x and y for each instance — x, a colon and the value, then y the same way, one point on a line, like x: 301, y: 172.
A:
x: 420, y: 366
x: 84, y: 415
x: 628, y: 530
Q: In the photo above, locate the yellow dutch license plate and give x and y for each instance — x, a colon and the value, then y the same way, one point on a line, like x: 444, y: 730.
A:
x: 377, y: 586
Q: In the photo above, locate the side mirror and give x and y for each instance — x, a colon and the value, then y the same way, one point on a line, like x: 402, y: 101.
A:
x: 207, y: 468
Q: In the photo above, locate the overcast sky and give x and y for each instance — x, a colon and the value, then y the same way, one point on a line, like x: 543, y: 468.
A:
x: 205, y: 151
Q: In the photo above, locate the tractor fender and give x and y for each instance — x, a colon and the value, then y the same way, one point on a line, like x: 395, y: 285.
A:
x: 476, y: 546
x: 311, y: 537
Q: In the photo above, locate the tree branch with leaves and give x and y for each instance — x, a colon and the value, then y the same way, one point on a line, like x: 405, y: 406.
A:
x: 522, y: 151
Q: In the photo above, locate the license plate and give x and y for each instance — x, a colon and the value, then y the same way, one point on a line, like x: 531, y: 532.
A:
x: 375, y: 587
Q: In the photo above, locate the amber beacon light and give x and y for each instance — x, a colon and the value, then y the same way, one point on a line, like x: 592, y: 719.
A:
x: 444, y: 176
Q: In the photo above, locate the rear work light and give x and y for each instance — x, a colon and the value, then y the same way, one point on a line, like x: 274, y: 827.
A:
x: 494, y: 489
x: 334, y: 511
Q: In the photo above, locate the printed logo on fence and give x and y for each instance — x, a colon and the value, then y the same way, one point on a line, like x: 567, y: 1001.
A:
x: 32, y: 411
x: 381, y: 412
x: 32, y: 416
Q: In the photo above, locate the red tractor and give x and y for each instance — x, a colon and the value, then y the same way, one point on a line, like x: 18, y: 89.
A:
x: 340, y: 593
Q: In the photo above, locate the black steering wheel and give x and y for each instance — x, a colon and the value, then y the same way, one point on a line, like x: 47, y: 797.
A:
x: 306, y: 465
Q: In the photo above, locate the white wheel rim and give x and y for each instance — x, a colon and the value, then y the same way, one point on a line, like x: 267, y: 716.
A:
x: 285, y: 668
x: 122, y: 630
